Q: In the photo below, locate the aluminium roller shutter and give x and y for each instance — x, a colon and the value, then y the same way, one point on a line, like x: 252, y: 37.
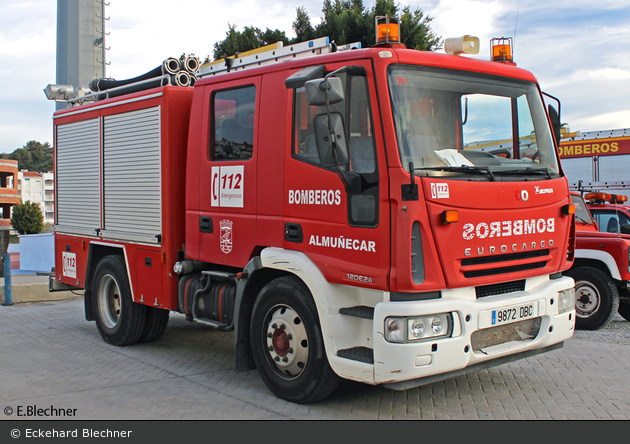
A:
x: 132, y: 175
x: 77, y: 172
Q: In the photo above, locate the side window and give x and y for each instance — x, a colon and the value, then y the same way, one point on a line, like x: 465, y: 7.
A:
x: 357, y: 118
x: 232, y: 114
x: 611, y: 222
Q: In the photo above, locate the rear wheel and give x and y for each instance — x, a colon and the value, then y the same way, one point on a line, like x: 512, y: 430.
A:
x: 287, y: 343
x: 596, y: 298
x: 120, y: 321
x: 155, y: 324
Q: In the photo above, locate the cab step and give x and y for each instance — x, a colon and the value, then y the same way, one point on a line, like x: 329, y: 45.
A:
x: 359, y: 311
x: 361, y: 354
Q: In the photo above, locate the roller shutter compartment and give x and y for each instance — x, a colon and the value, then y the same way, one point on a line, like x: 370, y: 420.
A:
x: 78, y: 185
x: 132, y: 176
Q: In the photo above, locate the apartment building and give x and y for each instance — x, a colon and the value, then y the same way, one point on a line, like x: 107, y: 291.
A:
x: 39, y: 188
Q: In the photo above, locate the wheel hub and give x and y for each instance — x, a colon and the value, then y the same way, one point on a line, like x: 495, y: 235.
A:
x: 109, y: 301
x: 587, y: 299
x: 280, y: 342
x: 287, y: 341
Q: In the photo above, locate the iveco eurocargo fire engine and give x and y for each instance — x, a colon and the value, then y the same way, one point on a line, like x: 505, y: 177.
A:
x: 335, y: 207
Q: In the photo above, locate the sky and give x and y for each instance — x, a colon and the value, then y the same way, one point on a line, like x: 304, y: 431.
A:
x: 577, y: 49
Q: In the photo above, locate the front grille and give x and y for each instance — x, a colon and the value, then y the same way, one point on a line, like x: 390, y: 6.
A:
x: 504, y: 257
x: 502, y: 288
x: 504, y: 270
x: 472, y: 267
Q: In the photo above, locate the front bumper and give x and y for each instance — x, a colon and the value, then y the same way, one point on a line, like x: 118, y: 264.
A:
x: 473, y: 344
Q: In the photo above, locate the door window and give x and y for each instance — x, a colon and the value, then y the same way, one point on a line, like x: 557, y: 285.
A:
x: 233, y: 124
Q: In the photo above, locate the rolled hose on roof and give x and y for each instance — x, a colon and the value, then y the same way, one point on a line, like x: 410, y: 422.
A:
x: 182, y: 78
x: 170, y: 66
x: 191, y: 64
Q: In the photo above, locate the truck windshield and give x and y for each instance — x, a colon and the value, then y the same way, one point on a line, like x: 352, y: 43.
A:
x: 581, y: 211
x: 472, y: 127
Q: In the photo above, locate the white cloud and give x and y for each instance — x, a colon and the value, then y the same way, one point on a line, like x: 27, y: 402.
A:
x: 577, y: 48
x: 455, y: 18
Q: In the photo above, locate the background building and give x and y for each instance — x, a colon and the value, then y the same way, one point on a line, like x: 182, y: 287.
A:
x: 38, y: 188
x: 597, y: 157
x: 8, y: 197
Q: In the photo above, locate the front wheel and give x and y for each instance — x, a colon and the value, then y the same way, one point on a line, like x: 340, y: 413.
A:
x: 596, y: 298
x: 120, y: 321
x: 287, y: 343
x: 624, y: 310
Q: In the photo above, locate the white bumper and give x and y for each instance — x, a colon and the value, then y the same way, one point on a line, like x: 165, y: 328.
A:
x: 395, y: 362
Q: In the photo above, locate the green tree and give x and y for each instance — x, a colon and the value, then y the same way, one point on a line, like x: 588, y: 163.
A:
x: 302, y: 27
x: 34, y: 156
x: 348, y: 21
x: 343, y: 21
x: 27, y: 218
x: 246, y: 40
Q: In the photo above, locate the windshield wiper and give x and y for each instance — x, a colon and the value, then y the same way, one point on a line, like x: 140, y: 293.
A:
x: 582, y: 220
x: 525, y: 170
x: 466, y: 169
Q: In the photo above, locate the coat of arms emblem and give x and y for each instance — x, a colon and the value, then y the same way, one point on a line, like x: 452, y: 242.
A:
x: 226, y: 235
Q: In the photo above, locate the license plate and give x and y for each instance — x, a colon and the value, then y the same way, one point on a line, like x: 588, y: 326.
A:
x: 514, y: 313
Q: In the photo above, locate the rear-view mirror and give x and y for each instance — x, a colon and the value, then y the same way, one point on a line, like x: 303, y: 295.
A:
x: 332, y: 145
x: 316, y: 91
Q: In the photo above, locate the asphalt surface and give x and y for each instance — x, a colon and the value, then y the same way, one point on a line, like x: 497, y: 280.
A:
x: 52, y: 359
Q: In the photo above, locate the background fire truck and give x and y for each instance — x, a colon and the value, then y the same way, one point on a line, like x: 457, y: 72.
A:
x: 601, y: 267
x: 330, y: 206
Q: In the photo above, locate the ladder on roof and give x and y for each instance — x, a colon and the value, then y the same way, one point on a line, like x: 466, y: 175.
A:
x: 273, y: 53
x: 600, y: 185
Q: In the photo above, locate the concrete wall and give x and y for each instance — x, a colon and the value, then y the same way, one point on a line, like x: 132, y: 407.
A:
x: 37, y: 252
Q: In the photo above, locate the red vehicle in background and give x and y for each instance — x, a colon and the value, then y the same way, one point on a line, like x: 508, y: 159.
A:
x: 601, y: 268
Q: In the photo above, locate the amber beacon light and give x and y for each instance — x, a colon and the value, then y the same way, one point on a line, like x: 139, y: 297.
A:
x: 501, y: 49
x: 387, y: 29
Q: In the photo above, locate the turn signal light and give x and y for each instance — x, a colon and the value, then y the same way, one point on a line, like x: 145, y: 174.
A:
x: 450, y: 216
x: 568, y: 209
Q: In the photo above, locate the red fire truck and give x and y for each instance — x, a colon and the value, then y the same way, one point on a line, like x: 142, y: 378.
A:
x: 601, y: 267
x: 327, y: 205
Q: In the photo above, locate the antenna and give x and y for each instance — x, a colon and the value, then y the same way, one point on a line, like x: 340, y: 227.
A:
x: 515, y: 26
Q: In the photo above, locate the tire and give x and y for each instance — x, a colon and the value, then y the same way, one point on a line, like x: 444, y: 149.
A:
x: 624, y: 310
x: 154, y: 325
x: 120, y: 321
x: 287, y: 344
x: 596, y: 298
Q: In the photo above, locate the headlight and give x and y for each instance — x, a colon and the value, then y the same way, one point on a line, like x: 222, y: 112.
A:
x: 395, y: 329
x: 566, y: 300
x: 418, y: 328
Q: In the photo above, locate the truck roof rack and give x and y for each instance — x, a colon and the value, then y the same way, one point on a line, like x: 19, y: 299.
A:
x: 273, y: 53
x: 581, y: 185
x: 256, y: 57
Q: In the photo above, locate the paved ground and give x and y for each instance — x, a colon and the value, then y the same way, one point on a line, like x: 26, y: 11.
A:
x: 51, y: 357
